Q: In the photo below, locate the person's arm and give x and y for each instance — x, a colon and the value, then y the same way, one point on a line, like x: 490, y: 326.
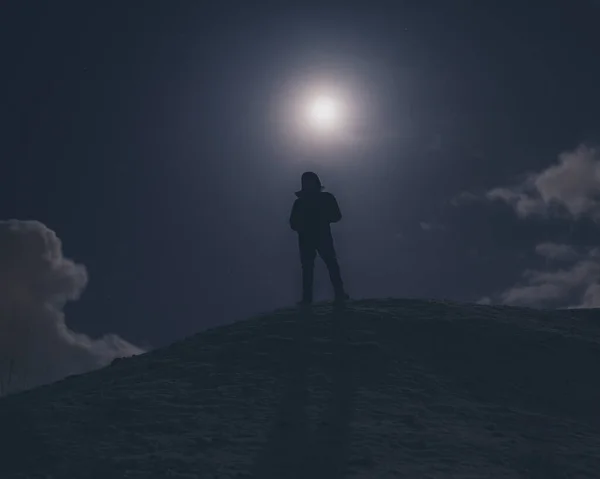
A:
x: 335, y: 214
x: 294, y: 217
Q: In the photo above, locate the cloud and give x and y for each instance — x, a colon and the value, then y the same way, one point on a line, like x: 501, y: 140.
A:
x: 36, y: 281
x: 428, y: 226
x: 464, y: 197
x: 553, y: 251
x: 570, y: 188
x: 591, y: 297
x: 558, y: 286
x: 532, y: 295
x: 524, y: 204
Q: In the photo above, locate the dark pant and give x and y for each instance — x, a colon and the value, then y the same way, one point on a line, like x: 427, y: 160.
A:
x: 310, y: 245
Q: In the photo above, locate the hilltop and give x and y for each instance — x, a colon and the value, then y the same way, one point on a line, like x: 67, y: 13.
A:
x: 377, y: 389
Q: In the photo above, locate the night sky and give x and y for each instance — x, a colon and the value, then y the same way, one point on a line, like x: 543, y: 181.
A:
x: 151, y: 137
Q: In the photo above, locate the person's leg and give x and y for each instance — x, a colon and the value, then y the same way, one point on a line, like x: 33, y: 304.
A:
x: 307, y: 259
x: 326, y: 250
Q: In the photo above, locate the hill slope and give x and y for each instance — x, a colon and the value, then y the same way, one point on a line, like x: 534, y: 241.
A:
x: 385, y: 389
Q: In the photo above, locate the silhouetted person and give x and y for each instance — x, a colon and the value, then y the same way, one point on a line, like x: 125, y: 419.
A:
x: 311, y: 216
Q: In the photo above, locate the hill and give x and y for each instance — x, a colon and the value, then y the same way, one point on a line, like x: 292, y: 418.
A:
x: 377, y: 389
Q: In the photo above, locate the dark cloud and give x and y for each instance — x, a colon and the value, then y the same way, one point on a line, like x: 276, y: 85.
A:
x: 36, y: 281
x: 465, y: 197
x: 430, y: 226
x: 558, y: 252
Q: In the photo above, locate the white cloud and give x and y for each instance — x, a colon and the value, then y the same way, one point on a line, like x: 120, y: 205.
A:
x: 532, y: 295
x: 568, y: 189
x: 571, y: 188
x: 555, y: 286
x: 524, y: 204
x: 36, y: 281
x: 591, y: 297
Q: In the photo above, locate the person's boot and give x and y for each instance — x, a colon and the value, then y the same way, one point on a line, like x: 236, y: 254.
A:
x: 341, y: 296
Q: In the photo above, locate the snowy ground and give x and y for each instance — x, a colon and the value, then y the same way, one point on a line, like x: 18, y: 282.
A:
x: 379, y: 389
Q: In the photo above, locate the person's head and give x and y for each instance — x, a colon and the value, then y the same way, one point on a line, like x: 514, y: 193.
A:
x: 311, y: 182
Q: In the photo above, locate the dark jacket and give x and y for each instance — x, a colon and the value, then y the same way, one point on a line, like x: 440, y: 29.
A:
x: 313, y: 211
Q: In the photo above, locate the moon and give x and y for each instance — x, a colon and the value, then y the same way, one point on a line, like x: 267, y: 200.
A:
x: 324, y: 113
x: 316, y: 112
